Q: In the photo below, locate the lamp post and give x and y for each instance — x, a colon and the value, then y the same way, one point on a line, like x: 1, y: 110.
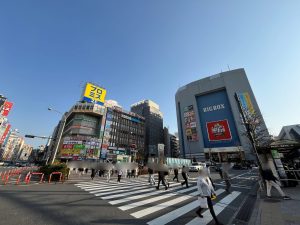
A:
x: 60, y: 132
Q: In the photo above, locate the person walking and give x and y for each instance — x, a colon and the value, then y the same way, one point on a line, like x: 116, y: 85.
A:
x: 226, y: 177
x: 161, y: 178
x: 108, y: 175
x: 133, y: 173
x: 185, y: 177
x: 93, y: 174
x: 206, y: 192
x: 151, y: 176
x: 271, y: 181
x: 120, y: 173
x: 176, y: 174
x: 129, y: 173
x: 209, y: 176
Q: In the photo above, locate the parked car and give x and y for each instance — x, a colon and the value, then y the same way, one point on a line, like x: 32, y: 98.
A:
x: 196, y: 166
x: 1, y: 163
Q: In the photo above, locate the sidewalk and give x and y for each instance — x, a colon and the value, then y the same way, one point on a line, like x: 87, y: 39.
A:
x: 276, y: 211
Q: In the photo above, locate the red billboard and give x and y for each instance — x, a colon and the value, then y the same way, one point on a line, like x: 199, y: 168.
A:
x: 5, y: 133
x: 218, y: 130
x: 6, y: 108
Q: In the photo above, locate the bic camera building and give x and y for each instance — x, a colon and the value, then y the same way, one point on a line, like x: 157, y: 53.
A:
x: 209, y: 118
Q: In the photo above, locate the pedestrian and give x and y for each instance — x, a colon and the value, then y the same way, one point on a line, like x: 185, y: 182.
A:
x: 272, y: 181
x: 86, y: 170
x: 120, y: 173
x: 161, y: 178
x: 185, y: 177
x: 225, y: 175
x: 176, y: 174
x: 93, y: 174
x: 150, y: 171
x: 129, y: 174
x: 133, y: 173
x: 151, y: 176
x: 108, y: 176
x: 209, y: 176
x: 137, y: 172
x: 206, y: 192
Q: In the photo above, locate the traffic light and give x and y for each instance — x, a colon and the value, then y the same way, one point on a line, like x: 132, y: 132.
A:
x: 29, y: 136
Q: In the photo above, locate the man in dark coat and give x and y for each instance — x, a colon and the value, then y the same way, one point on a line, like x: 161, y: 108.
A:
x: 185, y: 177
x: 161, y: 178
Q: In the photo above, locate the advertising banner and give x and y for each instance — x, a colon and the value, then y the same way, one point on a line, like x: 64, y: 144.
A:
x: 216, y: 120
x: 218, y: 130
x: 94, y: 94
x: 6, y: 108
x: 190, y: 123
x: 106, y: 135
x: 79, y: 148
x: 246, y: 102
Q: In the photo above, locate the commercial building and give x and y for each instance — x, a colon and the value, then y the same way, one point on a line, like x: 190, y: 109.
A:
x: 210, y: 117
x: 153, y: 125
x: 80, y: 131
x: 171, y: 143
x: 124, y: 135
x: 25, y: 153
x: 291, y: 133
x: 91, y: 131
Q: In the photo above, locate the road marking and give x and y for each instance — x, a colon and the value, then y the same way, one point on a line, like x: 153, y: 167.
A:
x: 178, y: 212
x: 237, y: 186
x: 151, y: 200
x: 218, y: 208
x: 118, y: 191
x: 166, y: 194
x: 164, y: 205
x: 112, y: 188
x: 128, y: 193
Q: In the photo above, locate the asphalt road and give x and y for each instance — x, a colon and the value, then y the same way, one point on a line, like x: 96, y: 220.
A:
x: 72, y: 202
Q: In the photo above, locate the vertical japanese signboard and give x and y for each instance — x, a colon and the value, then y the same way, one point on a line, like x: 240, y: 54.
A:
x: 245, y: 101
x: 94, y: 94
x: 6, y: 108
x: 5, y: 133
x: 190, y: 123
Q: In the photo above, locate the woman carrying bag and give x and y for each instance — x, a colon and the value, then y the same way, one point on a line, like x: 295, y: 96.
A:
x: 206, y: 193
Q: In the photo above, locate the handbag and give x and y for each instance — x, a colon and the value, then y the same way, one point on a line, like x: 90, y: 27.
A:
x: 203, y: 202
x: 213, y: 196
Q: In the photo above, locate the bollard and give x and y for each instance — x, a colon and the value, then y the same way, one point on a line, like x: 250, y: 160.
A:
x: 19, y: 178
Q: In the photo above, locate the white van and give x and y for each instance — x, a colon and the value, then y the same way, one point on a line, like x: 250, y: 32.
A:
x: 196, y: 166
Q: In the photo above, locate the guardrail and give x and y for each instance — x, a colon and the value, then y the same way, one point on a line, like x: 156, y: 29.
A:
x: 56, y: 173
x: 294, y: 172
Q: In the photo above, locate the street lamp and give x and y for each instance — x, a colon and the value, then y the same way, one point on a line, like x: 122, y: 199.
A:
x: 60, y: 132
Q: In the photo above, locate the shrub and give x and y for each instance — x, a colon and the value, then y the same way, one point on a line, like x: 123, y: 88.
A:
x: 48, y: 169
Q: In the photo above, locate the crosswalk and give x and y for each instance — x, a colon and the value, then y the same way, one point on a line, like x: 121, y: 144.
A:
x: 157, y: 207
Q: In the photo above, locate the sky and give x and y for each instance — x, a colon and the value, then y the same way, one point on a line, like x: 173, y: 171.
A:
x: 140, y: 49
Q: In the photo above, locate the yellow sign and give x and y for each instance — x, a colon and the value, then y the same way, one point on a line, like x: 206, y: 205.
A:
x: 93, y: 93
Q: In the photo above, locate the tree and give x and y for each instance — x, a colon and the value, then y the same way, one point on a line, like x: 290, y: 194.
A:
x: 255, y: 129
